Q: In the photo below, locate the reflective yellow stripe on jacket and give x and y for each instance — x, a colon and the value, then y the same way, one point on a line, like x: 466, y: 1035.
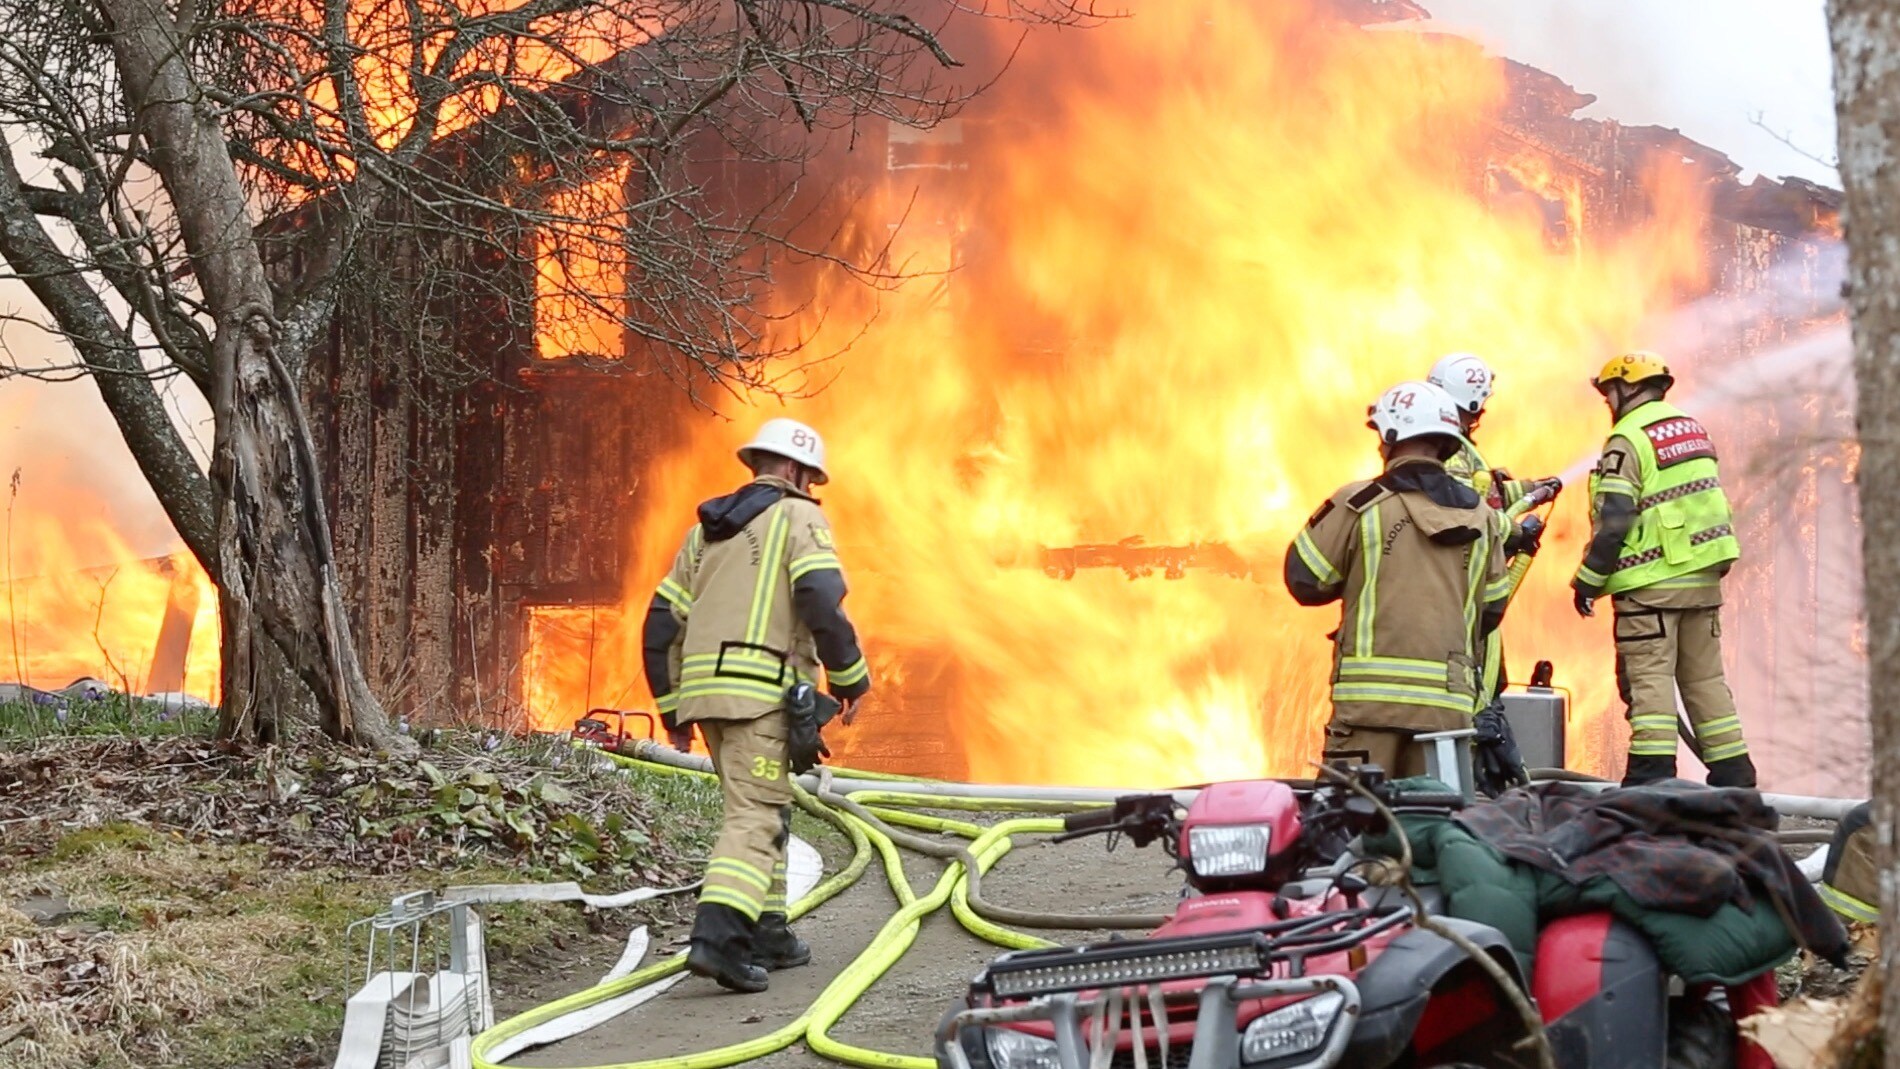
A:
x: 749, y: 671
x: 1369, y: 590
x: 1397, y: 679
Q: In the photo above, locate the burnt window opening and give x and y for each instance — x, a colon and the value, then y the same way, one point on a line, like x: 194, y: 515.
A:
x: 1508, y: 194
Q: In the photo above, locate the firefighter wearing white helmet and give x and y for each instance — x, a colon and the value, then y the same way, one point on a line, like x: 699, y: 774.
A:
x: 791, y: 440
x: 734, y: 640
x: 1470, y: 382
x: 1408, y: 556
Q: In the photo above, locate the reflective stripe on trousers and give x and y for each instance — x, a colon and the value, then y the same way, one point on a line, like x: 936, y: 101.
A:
x: 747, y: 869
x: 1660, y: 652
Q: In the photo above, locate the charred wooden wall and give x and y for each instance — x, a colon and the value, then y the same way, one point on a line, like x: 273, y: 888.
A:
x: 464, y: 490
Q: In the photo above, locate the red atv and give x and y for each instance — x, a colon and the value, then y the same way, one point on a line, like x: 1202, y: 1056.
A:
x: 1281, y: 958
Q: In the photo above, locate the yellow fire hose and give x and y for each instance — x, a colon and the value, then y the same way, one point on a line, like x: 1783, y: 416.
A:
x: 987, y: 846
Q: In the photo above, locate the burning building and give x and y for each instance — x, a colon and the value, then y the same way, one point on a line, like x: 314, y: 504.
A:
x: 1158, y: 272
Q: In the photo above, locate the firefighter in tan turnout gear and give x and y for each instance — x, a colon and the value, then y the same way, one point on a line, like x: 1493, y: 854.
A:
x: 751, y: 608
x: 1661, y: 541
x: 1410, y: 555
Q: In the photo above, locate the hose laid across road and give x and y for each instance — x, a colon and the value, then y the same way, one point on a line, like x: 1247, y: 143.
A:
x: 870, y: 832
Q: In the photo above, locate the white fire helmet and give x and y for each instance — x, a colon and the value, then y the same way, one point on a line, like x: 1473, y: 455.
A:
x: 1414, y: 410
x: 1467, y: 378
x: 791, y: 439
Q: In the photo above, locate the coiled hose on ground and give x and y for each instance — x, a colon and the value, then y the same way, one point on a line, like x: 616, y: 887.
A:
x: 869, y: 816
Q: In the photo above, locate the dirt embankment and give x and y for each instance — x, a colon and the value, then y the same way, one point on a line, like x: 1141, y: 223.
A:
x: 178, y: 903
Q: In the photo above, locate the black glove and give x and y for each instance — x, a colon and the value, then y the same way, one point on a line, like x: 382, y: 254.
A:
x: 1585, y: 600
x: 1530, y: 536
x: 809, y: 712
x: 1499, y: 765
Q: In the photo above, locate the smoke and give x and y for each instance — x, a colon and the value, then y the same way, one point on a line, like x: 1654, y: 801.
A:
x: 1709, y: 68
x: 1818, y: 362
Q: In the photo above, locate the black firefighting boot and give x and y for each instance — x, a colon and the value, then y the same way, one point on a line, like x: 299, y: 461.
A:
x: 722, y: 949
x: 1733, y: 772
x: 1649, y: 768
x: 775, y: 946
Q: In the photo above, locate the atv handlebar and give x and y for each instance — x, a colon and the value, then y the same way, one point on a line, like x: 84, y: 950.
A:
x: 1089, y: 820
x: 1144, y: 818
x: 1428, y: 800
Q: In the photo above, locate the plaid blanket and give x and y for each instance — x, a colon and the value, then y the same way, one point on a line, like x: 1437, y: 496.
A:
x: 1675, y: 846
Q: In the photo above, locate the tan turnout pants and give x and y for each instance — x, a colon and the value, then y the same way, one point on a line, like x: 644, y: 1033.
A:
x: 1661, y: 651
x: 747, y: 869
x: 1389, y: 748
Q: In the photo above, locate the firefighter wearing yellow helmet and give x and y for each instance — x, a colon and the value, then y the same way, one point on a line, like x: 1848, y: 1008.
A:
x: 751, y: 608
x: 1662, y: 539
x: 1469, y: 382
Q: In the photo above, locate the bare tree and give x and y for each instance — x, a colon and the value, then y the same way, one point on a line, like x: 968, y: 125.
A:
x: 1866, y: 39
x: 192, y: 189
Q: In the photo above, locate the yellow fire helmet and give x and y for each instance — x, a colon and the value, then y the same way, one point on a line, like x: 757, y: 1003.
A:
x: 1634, y: 367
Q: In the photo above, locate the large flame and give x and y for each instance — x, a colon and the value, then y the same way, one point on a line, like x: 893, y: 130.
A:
x: 1189, y: 249
x: 77, y: 600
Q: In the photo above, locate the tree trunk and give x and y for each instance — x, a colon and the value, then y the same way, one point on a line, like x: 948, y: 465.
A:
x: 276, y: 578
x: 1866, y: 39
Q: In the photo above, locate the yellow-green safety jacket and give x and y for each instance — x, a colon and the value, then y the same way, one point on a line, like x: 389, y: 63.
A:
x: 1657, y: 506
x: 1468, y: 467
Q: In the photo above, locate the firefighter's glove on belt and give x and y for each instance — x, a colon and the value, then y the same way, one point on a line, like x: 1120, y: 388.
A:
x: 809, y: 712
x: 1500, y: 765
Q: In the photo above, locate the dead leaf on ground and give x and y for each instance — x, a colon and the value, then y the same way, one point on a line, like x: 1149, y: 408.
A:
x: 1795, y: 1035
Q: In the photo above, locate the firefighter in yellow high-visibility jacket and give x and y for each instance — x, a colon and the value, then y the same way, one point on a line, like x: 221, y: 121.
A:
x: 1662, y: 539
x: 752, y: 607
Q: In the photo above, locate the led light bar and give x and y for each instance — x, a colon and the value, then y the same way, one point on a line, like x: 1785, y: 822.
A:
x: 1091, y: 968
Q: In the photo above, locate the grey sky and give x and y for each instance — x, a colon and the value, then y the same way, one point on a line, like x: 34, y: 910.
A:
x: 1706, y: 67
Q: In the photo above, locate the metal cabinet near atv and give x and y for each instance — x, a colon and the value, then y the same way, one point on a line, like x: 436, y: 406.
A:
x: 1282, y: 958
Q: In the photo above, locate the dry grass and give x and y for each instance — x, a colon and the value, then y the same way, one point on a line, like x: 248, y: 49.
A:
x: 211, y: 889
x: 188, y: 954
x: 177, y: 947
x: 209, y: 919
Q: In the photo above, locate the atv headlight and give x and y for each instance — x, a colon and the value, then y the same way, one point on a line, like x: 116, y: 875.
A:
x: 1020, y: 1050
x: 1291, y: 1030
x: 1229, y: 849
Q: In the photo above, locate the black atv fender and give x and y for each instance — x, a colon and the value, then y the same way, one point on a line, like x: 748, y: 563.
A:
x: 1395, y: 987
